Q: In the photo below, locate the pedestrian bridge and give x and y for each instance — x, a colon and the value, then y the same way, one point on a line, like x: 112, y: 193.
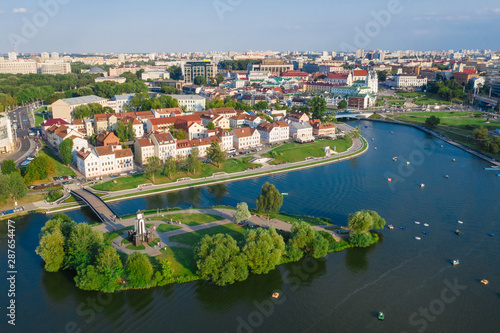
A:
x: 352, y: 115
x: 100, y: 208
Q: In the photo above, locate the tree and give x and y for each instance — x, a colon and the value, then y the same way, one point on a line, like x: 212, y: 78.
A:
x: 153, y: 166
x: 109, y: 265
x: 83, y: 245
x: 175, y: 72
x: 88, y: 278
x: 200, y: 80
x: 66, y: 150
x: 480, y: 133
x: 270, y: 199
x: 163, y: 273
x: 210, y: 126
x: 317, y: 106
x: 242, y: 212
x: 301, y: 240
x: 139, y: 270
x: 220, y: 260
x: 170, y: 167
x: 39, y: 168
x: 51, y: 249
x: 17, y: 187
x: 261, y: 105
x: 8, y: 167
x: 361, y: 240
x: 432, y: 121
x: 382, y: 75
x: 342, y: 104
x: 193, y: 162
x: 263, y: 250
x: 365, y: 220
x: 216, y: 154
x: 219, y: 78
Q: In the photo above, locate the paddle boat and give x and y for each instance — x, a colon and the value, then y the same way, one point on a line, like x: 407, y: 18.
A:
x: 454, y: 160
x: 373, y: 139
x: 402, y: 228
x: 422, y: 185
x: 284, y: 194
x: 491, y: 235
x: 441, y: 146
x: 392, y: 132
x: 418, y: 238
x: 446, y: 176
x: 381, y: 316
x: 416, y: 222
x: 425, y: 232
x: 458, y: 233
x: 276, y: 295
x: 460, y: 222
x: 390, y: 226
x: 375, y: 148
x: 426, y: 224
x: 395, y: 158
x: 389, y: 180
x: 484, y: 281
x: 455, y: 262
x: 407, y: 162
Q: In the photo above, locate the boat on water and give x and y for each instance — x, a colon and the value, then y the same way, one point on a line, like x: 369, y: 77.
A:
x: 454, y: 160
x: 426, y: 224
x: 276, y: 295
x: 381, y: 316
x: 395, y: 158
x: 422, y: 185
x: 389, y: 179
x: 491, y: 235
x: 416, y: 222
x: 375, y: 148
x: 425, y: 232
x: 455, y: 262
x: 390, y: 226
x: 284, y: 194
x: 392, y: 132
x: 460, y: 222
x: 402, y: 228
x: 458, y: 233
x: 495, y: 168
x: 484, y: 281
x: 441, y: 146
x: 446, y: 176
x: 407, y: 162
x: 373, y: 139
x: 418, y: 238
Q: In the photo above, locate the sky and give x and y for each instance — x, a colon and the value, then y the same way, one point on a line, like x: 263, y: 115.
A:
x: 144, y: 26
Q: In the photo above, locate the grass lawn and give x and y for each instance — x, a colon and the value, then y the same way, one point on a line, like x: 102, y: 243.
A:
x: 430, y: 98
x: 61, y: 169
x: 125, y: 183
x: 9, y: 203
x: 193, y: 219
x: 409, y: 94
x: 295, y: 152
x: 39, y: 119
x: 110, y: 236
x: 295, y: 218
x: 181, y: 261
x: 193, y: 238
x: 136, y: 248
x: 167, y: 228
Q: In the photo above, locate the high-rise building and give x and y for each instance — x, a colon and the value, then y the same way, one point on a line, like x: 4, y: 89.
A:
x: 192, y: 69
x: 12, y: 56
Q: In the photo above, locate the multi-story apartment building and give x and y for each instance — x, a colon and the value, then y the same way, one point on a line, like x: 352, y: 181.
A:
x: 245, y: 137
x: 278, y: 131
x: 206, y: 69
x: 101, y: 161
x: 190, y: 102
x: 64, y: 108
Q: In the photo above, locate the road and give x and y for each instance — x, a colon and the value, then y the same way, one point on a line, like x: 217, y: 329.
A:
x: 21, y: 117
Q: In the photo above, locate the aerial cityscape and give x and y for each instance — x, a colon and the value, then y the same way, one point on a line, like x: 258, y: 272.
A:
x: 236, y: 166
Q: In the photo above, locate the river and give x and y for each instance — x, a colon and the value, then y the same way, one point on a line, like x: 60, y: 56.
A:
x: 411, y: 281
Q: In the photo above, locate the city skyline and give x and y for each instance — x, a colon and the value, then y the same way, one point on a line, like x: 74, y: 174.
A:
x: 222, y: 25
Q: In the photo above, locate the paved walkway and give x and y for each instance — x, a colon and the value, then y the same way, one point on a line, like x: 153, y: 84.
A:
x: 227, y: 214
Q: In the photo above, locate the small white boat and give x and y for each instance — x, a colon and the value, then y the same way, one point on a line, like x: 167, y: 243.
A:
x: 422, y: 185
x: 426, y: 224
x: 455, y: 262
x: 408, y: 163
x: 284, y: 194
x: 390, y: 226
x: 460, y: 222
x: 418, y: 238
x: 416, y: 222
x: 454, y: 160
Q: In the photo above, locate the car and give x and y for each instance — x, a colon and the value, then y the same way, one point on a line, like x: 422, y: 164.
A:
x: 114, y: 176
x: 133, y: 172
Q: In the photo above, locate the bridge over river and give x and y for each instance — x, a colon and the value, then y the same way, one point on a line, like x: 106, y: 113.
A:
x: 100, y: 208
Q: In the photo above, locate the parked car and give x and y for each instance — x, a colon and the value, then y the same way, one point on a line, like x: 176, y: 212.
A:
x: 133, y: 172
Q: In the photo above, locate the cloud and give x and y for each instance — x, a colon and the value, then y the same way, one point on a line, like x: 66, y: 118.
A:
x: 19, y: 10
x: 484, y: 11
x: 433, y: 16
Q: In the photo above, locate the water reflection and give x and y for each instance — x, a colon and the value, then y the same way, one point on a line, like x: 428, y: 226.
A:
x: 255, y: 288
x: 58, y: 286
x: 219, y: 191
x: 306, y: 271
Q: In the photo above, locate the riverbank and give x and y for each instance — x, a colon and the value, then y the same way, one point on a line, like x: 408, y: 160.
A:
x: 359, y: 147
x: 441, y: 137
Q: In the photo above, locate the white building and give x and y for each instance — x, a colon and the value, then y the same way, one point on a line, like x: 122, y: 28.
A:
x: 245, y: 137
x: 119, y: 101
x: 406, y: 81
x: 303, y: 130
x: 6, y: 138
x: 101, y: 161
x: 190, y: 102
x: 278, y: 131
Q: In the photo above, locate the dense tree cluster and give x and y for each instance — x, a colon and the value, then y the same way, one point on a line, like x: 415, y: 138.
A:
x: 39, y: 168
x: 12, y: 186
x: 270, y: 200
x: 227, y: 102
x: 447, y: 89
x: 67, y: 245
x: 216, y: 154
x: 66, y: 151
x: 125, y: 132
x: 237, y: 65
x: 143, y: 102
x: 432, y: 121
